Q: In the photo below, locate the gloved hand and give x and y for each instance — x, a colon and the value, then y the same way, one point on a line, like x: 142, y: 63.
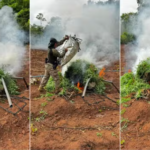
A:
x: 66, y: 50
x: 66, y: 37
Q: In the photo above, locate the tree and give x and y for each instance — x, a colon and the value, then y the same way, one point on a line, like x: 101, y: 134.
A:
x: 36, y: 30
x: 21, y: 8
x: 41, y: 18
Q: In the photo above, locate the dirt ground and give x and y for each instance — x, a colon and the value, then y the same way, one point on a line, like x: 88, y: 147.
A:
x: 14, y: 130
x: 61, y: 124
x: 135, y: 133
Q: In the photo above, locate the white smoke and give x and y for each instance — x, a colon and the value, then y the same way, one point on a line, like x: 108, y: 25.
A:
x: 96, y: 25
x: 12, y: 50
x: 141, y: 50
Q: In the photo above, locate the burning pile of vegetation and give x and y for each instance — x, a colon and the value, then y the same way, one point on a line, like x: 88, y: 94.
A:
x: 136, y: 84
x: 76, y: 77
x: 10, y: 83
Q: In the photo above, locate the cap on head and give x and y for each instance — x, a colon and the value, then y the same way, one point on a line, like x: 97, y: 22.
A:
x: 53, y: 41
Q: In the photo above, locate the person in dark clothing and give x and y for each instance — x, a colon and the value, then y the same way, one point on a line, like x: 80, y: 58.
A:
x: 52, y: 63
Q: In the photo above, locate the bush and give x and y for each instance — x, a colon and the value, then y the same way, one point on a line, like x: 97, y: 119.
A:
x: 143, y: 69
x: 10, y: 83
x: 80, y: 71
x: 136, y: 84
x: 127, y: 38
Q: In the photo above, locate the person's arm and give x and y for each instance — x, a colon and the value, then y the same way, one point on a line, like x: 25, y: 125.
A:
x: 63, y: 40
x: 57, y: 54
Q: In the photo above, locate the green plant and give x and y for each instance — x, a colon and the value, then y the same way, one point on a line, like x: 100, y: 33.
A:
x: 81, y: 71
x: 44, y: 104
x: 130, y: 83
x: 10, y: 83
x: 43, y: 115
x: 99, y: 134
x: 123, y: 111
x: 33, y: 129
x: 122, y: 142
x: 126, y: 38
x: 124, y: 123
x: 21, y: 11
x: 113, y: 134
x: 143, y: 69
x: 50, y: 86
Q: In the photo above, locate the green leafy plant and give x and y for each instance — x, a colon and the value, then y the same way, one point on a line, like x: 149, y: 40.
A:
x: 50, y: 86
x: 44, y: 104
x: 81, y: 71
x: 123, y: 111
x: 122, y: 142
x: 130, y: 83
x: 10, y: 83
x: 99, y: 134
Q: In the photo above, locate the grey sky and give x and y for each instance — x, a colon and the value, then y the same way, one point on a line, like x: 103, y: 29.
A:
x: 51, y: 8
x: 127, y: 6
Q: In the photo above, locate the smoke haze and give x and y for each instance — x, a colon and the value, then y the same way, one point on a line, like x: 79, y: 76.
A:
x: 96, y: 25
x: 12, y: 50
x: 141, y: 49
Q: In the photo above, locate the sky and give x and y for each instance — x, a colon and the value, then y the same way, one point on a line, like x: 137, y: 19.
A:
x: 127, y: 6
x: 50, y: 8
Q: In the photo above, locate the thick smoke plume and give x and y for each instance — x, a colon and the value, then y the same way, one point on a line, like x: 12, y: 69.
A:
x: 140, y: 50
x: 12, y: 50
x: 97, y: 24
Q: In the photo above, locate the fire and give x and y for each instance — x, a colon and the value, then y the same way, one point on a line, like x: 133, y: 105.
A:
x: 102, y: 73
x: 79, y: 87
x: 129, y: 70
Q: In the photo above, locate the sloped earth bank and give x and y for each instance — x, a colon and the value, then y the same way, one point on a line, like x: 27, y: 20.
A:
x: 135, y: 134
x: 73, y: 124
x: 14, y: 130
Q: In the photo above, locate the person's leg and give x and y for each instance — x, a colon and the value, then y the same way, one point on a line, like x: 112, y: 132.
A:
x: 55, y: 76
x: 45, y: 78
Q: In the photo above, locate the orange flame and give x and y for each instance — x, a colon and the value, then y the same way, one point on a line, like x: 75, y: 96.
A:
x: 80, y: 88
x: 102, y: 73
x: 129, y: 71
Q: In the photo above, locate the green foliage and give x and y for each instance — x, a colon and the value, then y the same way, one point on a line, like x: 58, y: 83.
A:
x: 36, y: 30
x: 50, y: 86
x: 124, y: 123
x: 125, y: 100
x: 127, y: 38
x: 41, y: 18
x: 81, y: 71
x: 122, y: 142
x: 99, y: 134
x: 123, y: 111
x: 143, y: 69
x: 78, y: 71
x: 131, y: 84
x: 137, y: 83
x: 44, y: 104
x: 100, y: 87
x: 126, y: 16
x: 21, y: 8
x: 10, y: 83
